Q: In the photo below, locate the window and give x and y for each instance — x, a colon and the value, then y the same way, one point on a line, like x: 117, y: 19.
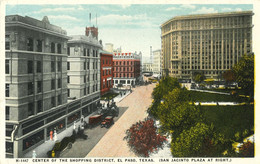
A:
x: 85, y: 79
x: 29, y: 44
x: 93, y: 65
x: 30, y: 88
x: 68, y: 79
x: 39, y: 66
x: 30, y: 109
x: 85, y: 91
x: 39, y: 45
x: 53, y: 84
x: 7, y: 42
x: 84, y: 52
x: 52, y: 66
x: 68, y: 65
x: 88, y: 52
x: 59, y: 100
x: 68, y: 93
x: 52, y: 47
x: 53, y: 101
x: 7, y: 66
x: 93, y: 53
x: 39, y: 106
x: 59, y: 66
x: 93, y: 88
x: 59, y: 83
x: 68, y: 51
x: 84, y: 65
x: 7, y: 90
x: 30, y: 66
x: 59, y: 48
x: 7, y: 113
x: 88, y: 65
x: 88, y: 90
x: 96, y: 65
x: 39, y: 87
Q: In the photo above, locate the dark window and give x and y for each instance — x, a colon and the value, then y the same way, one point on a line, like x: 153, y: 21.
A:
x: 29, y: 44
x: 53, y: 84
x: 59, y: 99
x: 85, y: 91
x: 52, y: 66
x: 68, y: 51
x: 68, y: 93
x: 88, y: 52
x: 7, y: 66
x: 68, y: 79
x: 88, y: 89
x: 59, y: 48
x: 68, y: 65
x: 85, y: 79
x: 7, y: 113
x: 30, y: 88
x: 93, y: 53
x: 52, y: 47
x: 96, y: 64
x: 39, y: 106
x: 88, y: 65
x: 30, y: 109
x: 53, y: 102
x: 84, y: 52
x: 93, y: 65
x: 93, y: 88
x: 7, y: 45
x: 84, y: 65
x: 59, y: 66
x: 30, y: 66
x: 39, y: 66
x: 103, y: 61
x: 59, y: 83
x: 39, y: 87
x: 39, y: 45
x: 7, y: 90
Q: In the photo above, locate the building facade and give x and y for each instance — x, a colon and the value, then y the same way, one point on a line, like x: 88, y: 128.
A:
x: 208, y: 43
x: 127, y: 68
x: 106, y: 72
x: 35, y: 80
x: 157, y: 58
x: 147, y: 67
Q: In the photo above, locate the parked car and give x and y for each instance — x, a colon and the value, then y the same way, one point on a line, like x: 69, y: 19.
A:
x: 94, y: 120
x: 107, y: 122
x: 65, y: 143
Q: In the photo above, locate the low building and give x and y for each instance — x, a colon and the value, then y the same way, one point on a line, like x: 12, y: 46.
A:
x: 127, y: 68
x: 106, y: 71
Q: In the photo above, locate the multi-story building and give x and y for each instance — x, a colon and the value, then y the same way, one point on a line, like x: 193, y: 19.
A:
x: 35, y: 81
x: 147, y: 67
x: 127, y: 68
x: 156, y: 67
x: 106, y: 71
x: 208, y: 43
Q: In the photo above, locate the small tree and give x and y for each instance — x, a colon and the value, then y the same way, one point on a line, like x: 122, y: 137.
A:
x: 198, y: 77
x: 229, y: 76
x: 142, y: 138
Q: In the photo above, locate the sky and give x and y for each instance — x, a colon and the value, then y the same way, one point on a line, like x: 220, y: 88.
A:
x: 133, y: 27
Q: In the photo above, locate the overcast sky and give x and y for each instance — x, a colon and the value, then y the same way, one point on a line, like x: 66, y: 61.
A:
x: 133, y: 27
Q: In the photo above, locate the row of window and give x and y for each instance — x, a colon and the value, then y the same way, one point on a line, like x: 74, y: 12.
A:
x: 30, y: 87
x: 86, y: 52
x: 107, y: 61
x: 106, y: 72
x: 123, y: 75
x: 123, y: 63
x: 107, y: 84
x: 30, y: 66
x: 123, y: 69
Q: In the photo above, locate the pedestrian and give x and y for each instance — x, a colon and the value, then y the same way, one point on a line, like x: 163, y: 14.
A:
x: 55, y: 135
x: 34, y: 155
x: 51, y: 135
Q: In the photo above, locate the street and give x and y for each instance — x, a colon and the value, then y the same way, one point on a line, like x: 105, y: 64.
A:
x: 112, y: 144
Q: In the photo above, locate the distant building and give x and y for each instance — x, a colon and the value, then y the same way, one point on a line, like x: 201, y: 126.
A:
x: 106, y: 71
x: 157, y: 59
x: 209, y: 43
x: 35, y: 82
x: 147, y: 67
x: 127, y: 68
x: 109, y: 47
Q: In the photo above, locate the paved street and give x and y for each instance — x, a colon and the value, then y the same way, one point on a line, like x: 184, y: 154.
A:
x: 112, y: 144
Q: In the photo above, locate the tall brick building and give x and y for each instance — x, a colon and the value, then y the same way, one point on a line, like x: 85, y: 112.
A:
x: 106, y: 71
x: 127, y: 68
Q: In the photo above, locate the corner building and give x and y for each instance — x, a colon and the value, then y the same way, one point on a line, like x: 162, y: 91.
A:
x: 208, y: 43
x: 35, y: 81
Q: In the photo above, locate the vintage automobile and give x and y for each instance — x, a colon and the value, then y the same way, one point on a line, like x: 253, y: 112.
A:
x: 107, y: 122
x: 94, y: 120
x: 65, y: 143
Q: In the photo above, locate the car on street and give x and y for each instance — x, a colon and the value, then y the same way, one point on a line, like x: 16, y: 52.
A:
x: 107, y: 122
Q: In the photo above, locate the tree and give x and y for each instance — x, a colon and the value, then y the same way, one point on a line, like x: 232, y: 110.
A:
x: 198, y: 77
x: 198, y: 141
x: 166, y: 84
x: 244, y: 73
x: 142, y: 138
x: 229, y: 76
x: 176, y: 114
